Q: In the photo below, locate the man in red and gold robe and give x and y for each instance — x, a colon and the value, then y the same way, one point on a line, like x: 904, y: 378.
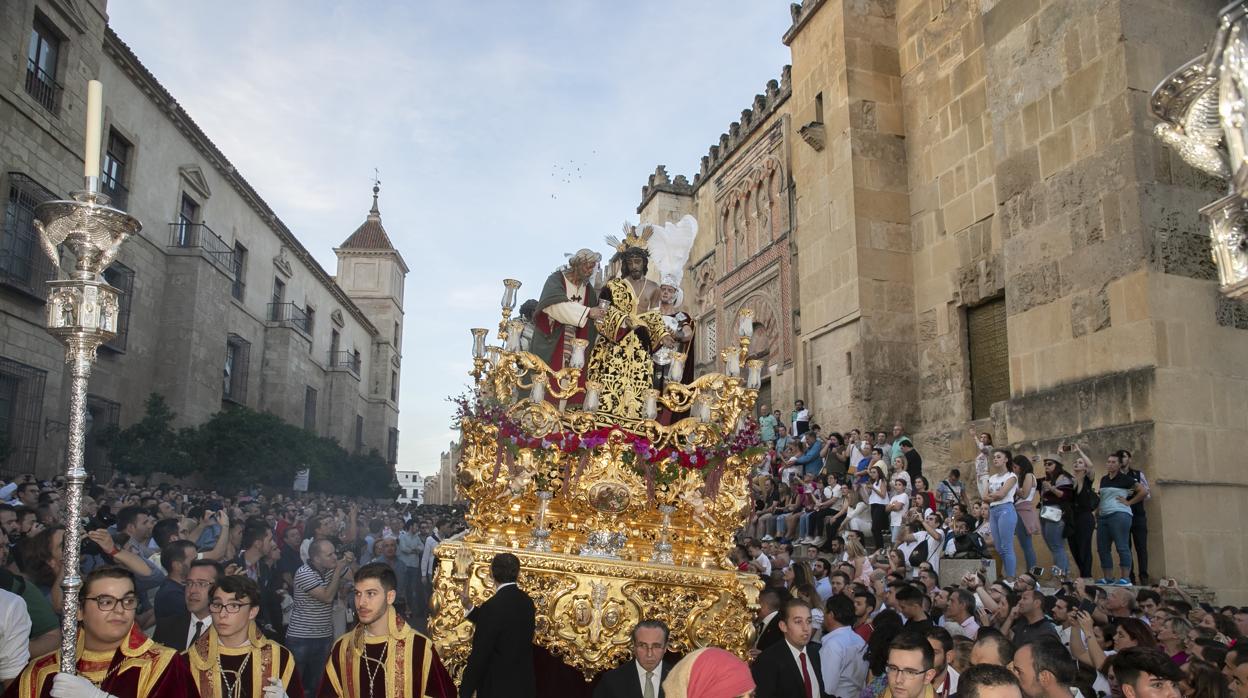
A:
x: 383, y: 657
x: 232, y: 659
x: 114, y: 656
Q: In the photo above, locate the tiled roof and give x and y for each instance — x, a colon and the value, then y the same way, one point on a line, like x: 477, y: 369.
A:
x: 370, y: 235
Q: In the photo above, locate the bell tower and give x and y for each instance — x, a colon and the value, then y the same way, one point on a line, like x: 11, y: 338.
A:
x: 372, y: 273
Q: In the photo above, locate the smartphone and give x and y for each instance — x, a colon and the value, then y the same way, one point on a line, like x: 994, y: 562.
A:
x: 1087, y: 605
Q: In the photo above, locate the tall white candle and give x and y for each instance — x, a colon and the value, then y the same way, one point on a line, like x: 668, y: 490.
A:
x: 95, y: 122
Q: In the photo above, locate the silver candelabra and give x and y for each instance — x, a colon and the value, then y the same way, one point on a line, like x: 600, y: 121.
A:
x: 82, y: 314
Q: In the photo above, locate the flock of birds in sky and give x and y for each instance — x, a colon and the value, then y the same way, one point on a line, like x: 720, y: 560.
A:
x: 566, y: 173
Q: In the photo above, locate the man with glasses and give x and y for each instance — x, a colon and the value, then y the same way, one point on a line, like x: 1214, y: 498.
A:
x: 647, y: 670
x: 116, y: 658
x: 910, y: 667
x: 180, y: 630
x: 233, y: 658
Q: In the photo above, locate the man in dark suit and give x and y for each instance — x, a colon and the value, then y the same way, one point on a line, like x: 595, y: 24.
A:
x: 790, y: 668
x: 178, y: 631
x: 501, y: 661
x: 642, y: 677
x: 769, y: 603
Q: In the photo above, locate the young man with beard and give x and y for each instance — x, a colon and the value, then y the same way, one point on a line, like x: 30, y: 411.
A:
x: 232, y: 659
x: 864, y: 607
x: 1044, y: 669
x: 383, y: 656
x: 1027, y: 622
x: 115, y: 658
x: 945, y: 679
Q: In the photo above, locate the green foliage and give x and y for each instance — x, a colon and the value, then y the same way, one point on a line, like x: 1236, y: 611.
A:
x: 240, y: 447
x: 150, y: 445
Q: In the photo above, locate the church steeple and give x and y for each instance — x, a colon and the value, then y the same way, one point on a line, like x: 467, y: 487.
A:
x: 370, y: 235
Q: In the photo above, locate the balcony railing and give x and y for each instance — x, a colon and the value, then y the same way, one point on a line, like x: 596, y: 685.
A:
x: 42, y: 86
x: 345, y: 359
x: 183, y: 235
x: 115, y: 190
x: 289, y: 315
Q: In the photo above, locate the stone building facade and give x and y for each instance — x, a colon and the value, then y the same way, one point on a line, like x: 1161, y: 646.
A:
x: 953, y: 212
x: 440, y: 487
x: 221, y: 302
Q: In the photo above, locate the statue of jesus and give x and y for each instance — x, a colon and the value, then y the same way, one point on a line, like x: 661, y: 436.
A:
x: 628, y: 333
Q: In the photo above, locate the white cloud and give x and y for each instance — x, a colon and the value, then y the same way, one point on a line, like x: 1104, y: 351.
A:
x: 467, y: 109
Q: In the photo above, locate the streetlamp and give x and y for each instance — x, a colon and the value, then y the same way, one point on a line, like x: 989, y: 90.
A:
x: 82, y: 314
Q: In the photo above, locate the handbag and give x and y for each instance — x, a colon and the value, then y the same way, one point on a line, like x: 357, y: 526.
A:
x: 1048, y: 512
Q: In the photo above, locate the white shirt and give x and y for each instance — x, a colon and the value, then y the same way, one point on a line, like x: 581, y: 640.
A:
x: 764, y: 562
x: 569, y: 312
x: 655, y: 678
x: 190, y: 629
x: 823, y: 588
x: 763, y: 626
x: 842, y: 662
x: 895, y: 517
x: 997, y: 482
x: 426, y: 560
x: 14, y: 635
x: 802, y: 415
x: 815, y: 683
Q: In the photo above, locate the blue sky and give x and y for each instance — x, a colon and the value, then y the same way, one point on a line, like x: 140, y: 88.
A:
x: 506, y: 133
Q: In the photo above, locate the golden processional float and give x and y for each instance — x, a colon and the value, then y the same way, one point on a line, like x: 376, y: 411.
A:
x: 611, y: 524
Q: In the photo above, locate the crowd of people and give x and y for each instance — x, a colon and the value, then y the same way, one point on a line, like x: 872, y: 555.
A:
x: 174, y: 565
x: 876, y: 582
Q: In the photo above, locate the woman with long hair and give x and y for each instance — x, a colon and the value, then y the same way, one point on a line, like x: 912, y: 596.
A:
x: 1025, y: 506
x: 998, y: 489
x: 1057, y: 490
x: 1084, y: 501
x: 922, y: 489
x: 856, y: 555
x: 1204, y: 680
x: 878, y: 499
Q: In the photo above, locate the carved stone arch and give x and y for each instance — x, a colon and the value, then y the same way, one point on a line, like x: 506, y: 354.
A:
x: 704, y: 287
x: 764, y: 203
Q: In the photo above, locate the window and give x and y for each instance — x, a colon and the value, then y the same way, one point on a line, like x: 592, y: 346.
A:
x: 101, y: 415
x: 356, y: 362
x: 279, y: 297
x: 394, y: 386
x: 334, y: 341
x: 239, y: 267
x: 42, y: 57
x: 23, y: 264
x: 710, y: 341
x: 116, y: 159
x: 392, y: 446
x: 234, y: 377
x: 310, y: 320
x: 819, y: 108
x: 121, y: 277
x: 21, y: 415
x: 309, y: 408
x: 397, y: 336
x: 188, y: 216
x: 989, y: 352
x: 359, y: 433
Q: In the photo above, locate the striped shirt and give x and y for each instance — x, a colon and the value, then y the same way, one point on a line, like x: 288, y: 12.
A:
x: 311, y: 618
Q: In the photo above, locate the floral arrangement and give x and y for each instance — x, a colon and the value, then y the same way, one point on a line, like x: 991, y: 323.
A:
x: 658, y: 465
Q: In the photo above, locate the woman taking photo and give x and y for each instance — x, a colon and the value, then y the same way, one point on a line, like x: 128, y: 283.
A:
x: 1084, y: 502
x: 998, y: 489
x: 1057, y: 491
x: 921, y: 489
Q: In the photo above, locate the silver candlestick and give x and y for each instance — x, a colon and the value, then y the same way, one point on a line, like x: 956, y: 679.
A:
x: 540, y: 541
x: 663, y: 548
x: 82, y: 314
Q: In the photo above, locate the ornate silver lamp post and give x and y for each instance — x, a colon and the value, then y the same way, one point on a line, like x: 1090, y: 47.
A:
x: 82, y: 314
x: 1203, y: 107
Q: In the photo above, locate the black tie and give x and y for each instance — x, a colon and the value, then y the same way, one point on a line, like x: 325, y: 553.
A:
x: 199, y: 628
